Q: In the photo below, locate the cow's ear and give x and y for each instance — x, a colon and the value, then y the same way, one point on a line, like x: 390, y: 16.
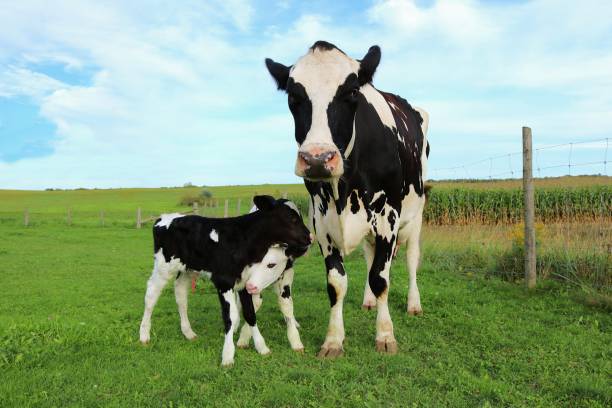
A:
x: 368, y: 65
x: 264, y: 202
x: 279, y: 72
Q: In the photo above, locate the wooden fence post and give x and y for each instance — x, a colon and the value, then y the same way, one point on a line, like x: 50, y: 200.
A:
x: 238, y: 207
x: 196, y: 210
x: 225, y: 213
x: 102, y: 217
x: 138, y: 218
x: 26, y: 217
x: 529, y: 208
x: 285, y: 195
x: 69, y: 216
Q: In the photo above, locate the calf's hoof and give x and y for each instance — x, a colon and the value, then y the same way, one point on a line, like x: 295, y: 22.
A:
x: 415, y: 311
x: 387, y: 346
x: 368, y: 306
x: 331, y: 351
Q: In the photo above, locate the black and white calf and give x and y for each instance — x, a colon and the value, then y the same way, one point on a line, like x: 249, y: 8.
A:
x: 363, y: 156
x: 243, y: 254
x: 283, y: 289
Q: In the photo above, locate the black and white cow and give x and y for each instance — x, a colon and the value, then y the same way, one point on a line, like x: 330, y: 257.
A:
x: 363, y: 156
x: 243, y: 254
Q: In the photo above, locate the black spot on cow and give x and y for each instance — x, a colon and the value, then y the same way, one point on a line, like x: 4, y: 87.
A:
x: 334, y: 261
x: 329, y: 240
x: 324, y: 45
x: 378, y: 204
x: 354, y: 202
x: 329, y: 248
x: 427, y: 150
x: 286, y: 292
x: 331, y: 292
x: 391, y: 219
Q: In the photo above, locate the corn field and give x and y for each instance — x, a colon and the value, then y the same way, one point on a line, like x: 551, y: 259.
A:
x: 461, y: 206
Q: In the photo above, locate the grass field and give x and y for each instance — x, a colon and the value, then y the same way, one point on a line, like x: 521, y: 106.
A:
x: 72, y: 299
x: 72, y: 302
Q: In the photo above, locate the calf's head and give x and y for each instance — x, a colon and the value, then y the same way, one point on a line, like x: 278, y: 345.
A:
x: 263, y: 274
x: 283, y: 224
x: 323, y: 91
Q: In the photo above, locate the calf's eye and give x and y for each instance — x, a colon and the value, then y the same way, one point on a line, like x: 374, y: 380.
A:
x: 271, y: 265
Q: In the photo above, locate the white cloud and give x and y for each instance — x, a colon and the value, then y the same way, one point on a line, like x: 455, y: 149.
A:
x: 178, y: 94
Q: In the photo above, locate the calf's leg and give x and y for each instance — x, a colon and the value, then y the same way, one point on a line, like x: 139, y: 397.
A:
x: 249, y: 313
x: 181, y: 292
x: 245, y: 332
x: 156, y: 283
x: 283, y: 291
x: 229, y: 314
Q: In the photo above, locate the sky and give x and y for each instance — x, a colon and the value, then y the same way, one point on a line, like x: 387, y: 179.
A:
x: 158, y: 93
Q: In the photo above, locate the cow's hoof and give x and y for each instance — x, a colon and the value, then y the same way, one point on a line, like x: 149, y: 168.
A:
x: 415, y: 311
x: 227, y: 364
x: 190, y: 335
x: 330, y: 352
x: 242, y: 345
x: 299, y: 350
x: 388, y: 346
x: 145, y: 341
x: 368, y: 306
x: 264, y: 351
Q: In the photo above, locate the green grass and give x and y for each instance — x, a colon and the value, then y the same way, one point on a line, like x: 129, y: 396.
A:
x: 72, y: 299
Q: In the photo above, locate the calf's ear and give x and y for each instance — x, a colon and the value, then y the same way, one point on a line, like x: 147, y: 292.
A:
x: 279, y: 72
x: 264, y: 202
x: 368, y: 65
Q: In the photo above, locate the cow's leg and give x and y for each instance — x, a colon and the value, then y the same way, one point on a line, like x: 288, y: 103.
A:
x: 412, y: 257
x: 285, y: 302
x: 229, y: 313
x: 156, y: 283
x: 337, y: 283
x: 181, y: 291
x: 369, y: 300
x: 379, y: 282
x: 245, y: 332
x: 250, y: 317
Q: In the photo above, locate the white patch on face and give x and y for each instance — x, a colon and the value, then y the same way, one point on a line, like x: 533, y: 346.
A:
x: 214, y: 235
x: 321, y: 72
x: 166, y: 219
x: 268, y: 271
x: 253, y: 209
x: 292, y: 205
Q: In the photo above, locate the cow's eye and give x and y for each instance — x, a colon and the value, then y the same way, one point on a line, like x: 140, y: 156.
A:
x: 271, y: 265
x: 354, y: 93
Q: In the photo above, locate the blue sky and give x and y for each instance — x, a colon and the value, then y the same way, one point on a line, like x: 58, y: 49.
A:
x: 161, y: 93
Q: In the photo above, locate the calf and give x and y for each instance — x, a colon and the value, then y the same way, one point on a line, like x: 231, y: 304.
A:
x: 243, y: 254
x: 283, y: 290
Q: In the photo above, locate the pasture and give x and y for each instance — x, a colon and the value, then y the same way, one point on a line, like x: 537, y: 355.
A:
x: 72, y: 299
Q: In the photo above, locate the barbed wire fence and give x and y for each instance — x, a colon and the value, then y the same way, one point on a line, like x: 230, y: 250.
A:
x: 507, y: 165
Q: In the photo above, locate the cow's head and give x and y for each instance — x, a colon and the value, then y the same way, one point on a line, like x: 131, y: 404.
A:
x: 323, y: 91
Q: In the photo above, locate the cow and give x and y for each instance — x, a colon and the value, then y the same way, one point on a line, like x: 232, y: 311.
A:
x: 243, y: 254
x: 363, y: 156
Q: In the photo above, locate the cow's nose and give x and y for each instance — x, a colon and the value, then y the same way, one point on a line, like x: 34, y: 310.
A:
x: 318, y: 164
x: 251, y: 288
